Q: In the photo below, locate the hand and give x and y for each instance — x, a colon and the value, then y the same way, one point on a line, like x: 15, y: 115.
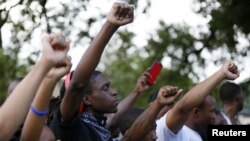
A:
x: 58, y: 54
x: 121, y: 14
x: 142, y: 84
x: 230, y: 70
x: 58, y: 72
x: 167, y: 95
x: 58, y: 41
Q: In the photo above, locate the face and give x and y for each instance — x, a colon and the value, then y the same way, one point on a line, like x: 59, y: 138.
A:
x: 206, y: 116
x: 239, y: 98
x: 220, y: 120
x: 207, y: 113
x: 103, y: 97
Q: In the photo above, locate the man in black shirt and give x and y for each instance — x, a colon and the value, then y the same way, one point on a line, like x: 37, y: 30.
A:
x: 91, y: 88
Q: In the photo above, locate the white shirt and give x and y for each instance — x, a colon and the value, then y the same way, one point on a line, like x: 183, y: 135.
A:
x: 184, y: 134
x: 226, y: 118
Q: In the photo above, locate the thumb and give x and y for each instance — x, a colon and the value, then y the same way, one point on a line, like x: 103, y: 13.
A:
x: 178, y: 94
x: 179, y: 91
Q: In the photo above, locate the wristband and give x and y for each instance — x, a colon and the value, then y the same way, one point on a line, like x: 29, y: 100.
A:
x: 37, y: 112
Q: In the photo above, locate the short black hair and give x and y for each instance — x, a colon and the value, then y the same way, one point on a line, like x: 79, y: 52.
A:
x: 87, y: 88
x: 153, y: 96
x: 203, y: 104
x: 229, y: 90
x: 129, y: 118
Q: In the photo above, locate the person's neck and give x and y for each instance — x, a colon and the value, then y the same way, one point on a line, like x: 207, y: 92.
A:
x: 191, y: 124
x: 230, y: 110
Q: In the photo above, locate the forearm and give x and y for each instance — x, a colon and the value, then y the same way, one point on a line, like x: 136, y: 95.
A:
x: 45, y: 91
x: 198, y: 93
x: 143, y: 124
x: 178, y: 115
x: 33, y: 123
x: 92, y: 56
x: 21, y: 98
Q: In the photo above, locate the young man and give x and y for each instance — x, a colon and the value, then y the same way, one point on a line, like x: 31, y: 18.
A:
x: 195, y: 110
x: 91, y: 88
x: 232, y: 100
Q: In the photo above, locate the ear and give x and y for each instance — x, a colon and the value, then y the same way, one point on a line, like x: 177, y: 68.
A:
x: 196, y: 112
x: 86, y: 100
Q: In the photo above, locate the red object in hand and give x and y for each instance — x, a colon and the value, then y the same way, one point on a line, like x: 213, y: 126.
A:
x: 154, y: 72
x: 57, y: 44
x: 57, y: 47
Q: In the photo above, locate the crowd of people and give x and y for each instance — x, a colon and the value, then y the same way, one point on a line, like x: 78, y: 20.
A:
x: 88, y: 109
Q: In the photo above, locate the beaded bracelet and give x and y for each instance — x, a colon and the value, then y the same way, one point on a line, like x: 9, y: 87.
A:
x: 37, y: 112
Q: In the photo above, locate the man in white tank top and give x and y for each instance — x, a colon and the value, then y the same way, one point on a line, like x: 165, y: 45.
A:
x: 187, y: 120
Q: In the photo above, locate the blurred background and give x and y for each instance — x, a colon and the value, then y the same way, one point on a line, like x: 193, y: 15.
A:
x: 192, y: 38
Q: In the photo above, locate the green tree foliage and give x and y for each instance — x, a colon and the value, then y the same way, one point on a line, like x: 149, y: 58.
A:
x: 26, y: 19
x: 9, y: 69
x: 228, y: 23
x: 124, y: 61
x: 246, y: 89
x: 33, y: 15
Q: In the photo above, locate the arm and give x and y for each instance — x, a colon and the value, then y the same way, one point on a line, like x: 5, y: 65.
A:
x: 178, y: 115
x: 138, y: 131
x: 23, y: 94
x: 128, y: 102
x: 120, y: 14
x: 34, y: 124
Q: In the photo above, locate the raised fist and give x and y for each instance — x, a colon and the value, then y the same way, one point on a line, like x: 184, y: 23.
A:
x: 121, y: 14
x: 167, y: 95
x: 55, y: 55
x: 230, y: 70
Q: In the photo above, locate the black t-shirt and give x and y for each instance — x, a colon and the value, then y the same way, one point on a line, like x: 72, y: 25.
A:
x: 76, y: 130
x: 17, y: 134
